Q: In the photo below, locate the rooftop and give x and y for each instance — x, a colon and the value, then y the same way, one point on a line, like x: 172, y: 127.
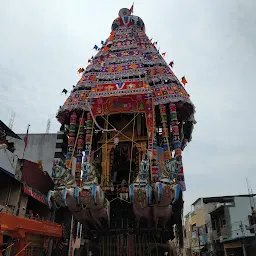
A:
x: 221, y: 199
x: 8, y: 131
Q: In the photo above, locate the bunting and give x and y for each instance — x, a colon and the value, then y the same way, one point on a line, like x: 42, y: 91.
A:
x: 171, y: 64
x: 65, y: 90
x: 80, y: 70
x: 163, y: 54
x: 105, y: 49
x: 96, y: 47
x: 184, y: 80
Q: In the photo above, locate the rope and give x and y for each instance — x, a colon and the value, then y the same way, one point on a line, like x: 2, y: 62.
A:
x: 100, y: 128
x: 116, y: 134
x: 132, y: 149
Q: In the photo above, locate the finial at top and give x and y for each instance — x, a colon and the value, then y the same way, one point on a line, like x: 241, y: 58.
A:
x: 124, y: 12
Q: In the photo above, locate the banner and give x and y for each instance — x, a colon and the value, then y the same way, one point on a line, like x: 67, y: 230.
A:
x: 34, y: 193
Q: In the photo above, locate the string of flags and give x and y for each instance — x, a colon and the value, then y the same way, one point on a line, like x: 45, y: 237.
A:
x: 105, y: 48
x: 171, y: 64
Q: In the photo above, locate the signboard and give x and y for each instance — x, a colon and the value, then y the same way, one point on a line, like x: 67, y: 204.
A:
x: 34, y: 193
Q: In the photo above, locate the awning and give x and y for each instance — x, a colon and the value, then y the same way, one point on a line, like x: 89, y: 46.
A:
x: 34, y: 193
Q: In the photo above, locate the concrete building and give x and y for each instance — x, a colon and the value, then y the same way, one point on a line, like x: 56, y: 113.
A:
x: 23, y: 208
x: 43, y: 147
x: 218, y: 225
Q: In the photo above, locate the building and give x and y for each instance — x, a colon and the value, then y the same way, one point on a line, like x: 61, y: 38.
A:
x: 218, y: 224
x: 43, y: 147
x: 25, y: 219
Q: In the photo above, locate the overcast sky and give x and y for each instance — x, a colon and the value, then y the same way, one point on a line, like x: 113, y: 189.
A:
x: 213, y: 43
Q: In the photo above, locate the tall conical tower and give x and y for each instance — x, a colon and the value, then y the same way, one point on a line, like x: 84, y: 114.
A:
x: 128, y: 120
x: 129, y: 65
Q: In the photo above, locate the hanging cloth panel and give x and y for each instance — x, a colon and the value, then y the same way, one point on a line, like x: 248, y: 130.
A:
x: 155, y: 167
x: 165, y: 143
x: 79, y: 150
x: 165, y: 134
x: 71, y: 138
x: 88, y: 140
x: 177, y: 146
x: 150, y: 126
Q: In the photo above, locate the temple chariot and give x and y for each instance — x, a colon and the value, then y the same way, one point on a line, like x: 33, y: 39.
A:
x: 128, y: 120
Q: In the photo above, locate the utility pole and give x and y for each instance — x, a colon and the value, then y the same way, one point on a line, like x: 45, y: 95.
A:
x: 242, y: 230
x: 48, y: 125
x: 11, y: 120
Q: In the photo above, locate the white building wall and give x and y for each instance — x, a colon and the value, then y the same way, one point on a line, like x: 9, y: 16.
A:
x: 8, y: 161
x: 40, y: 147
x: 239, y: 213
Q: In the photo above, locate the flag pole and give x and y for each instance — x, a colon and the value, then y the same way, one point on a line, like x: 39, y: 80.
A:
x: 26, y: 142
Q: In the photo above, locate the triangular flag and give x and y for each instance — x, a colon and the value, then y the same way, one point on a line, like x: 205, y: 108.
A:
x: 111, y: 38
x: 65, y: 90
x: 131, y: 9
x: 183, y: 80
x: 89, y: 60
x: 102, y: 42
x: 105, y: 48
x: 95, y: 47
x: 80, y: 70
x: 112, y: 33
x: 171, y: 63
x: 164, y: 53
